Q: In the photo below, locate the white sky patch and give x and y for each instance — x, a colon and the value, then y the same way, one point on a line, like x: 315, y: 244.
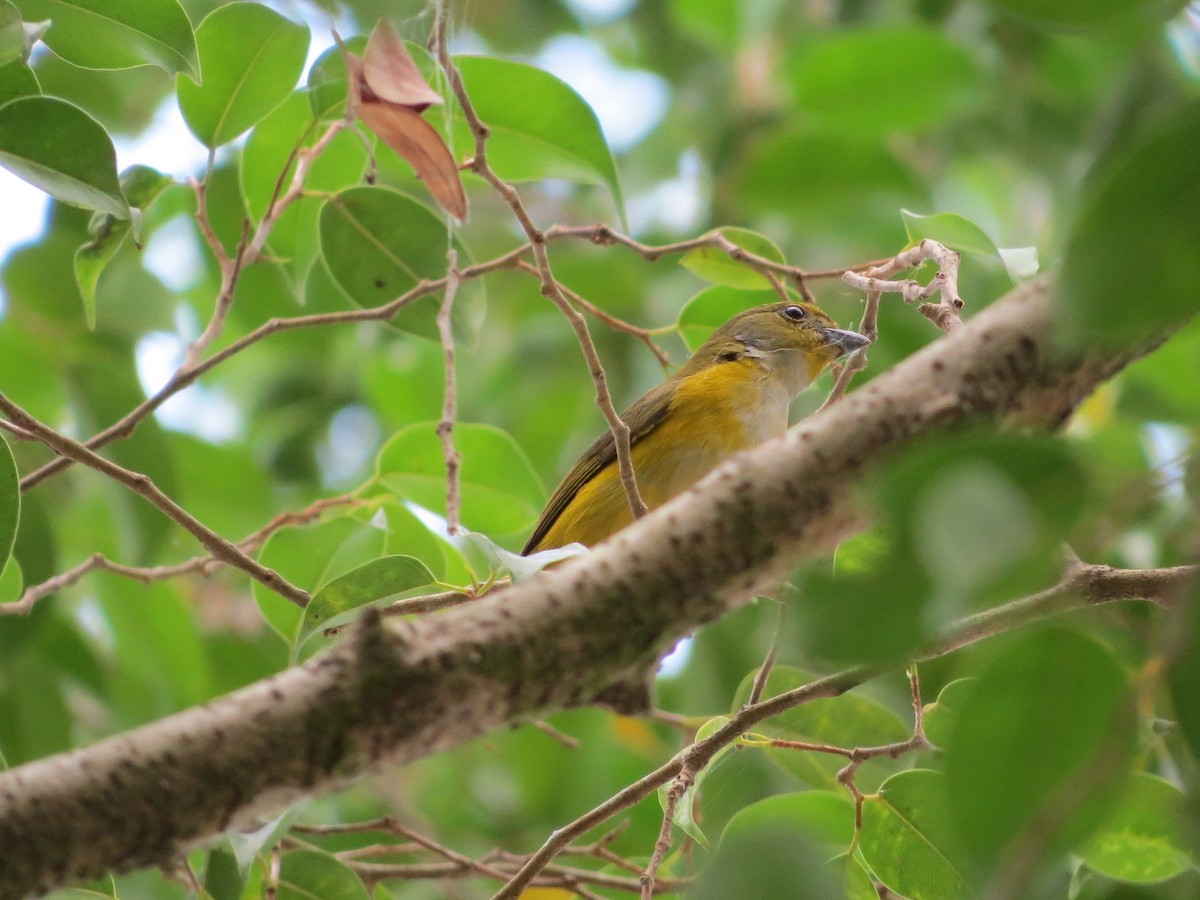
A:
x: 171, y: 254
x: 628, y: 102
x: 1167, y: 448
x: 676, y: 205
x: 601, y: 10
x: 24, y: 216
x: 676, y: 661
x: 198, y: 410
x: 350, y: 445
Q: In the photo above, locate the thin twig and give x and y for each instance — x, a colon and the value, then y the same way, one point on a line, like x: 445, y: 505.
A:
x: 944, y: 314
x: 141, y: 484
x: 1082, y: 585
x: 445, y: 427
x: 550, y: 286
x: 679, y: 788
x: 869, y: 328
x: 768, y: 663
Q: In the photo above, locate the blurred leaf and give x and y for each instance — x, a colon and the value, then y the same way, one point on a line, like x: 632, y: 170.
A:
x: 540, y: 127
x: 379, y: 243
x: 848, y: 721
x: 716, y: 266
x: 823, y: 817
x: 1141, y: 840
x: 713, y: 307
x: 118, y: 34
x: 1183, y: 672
x: 940, y: 715
x: 311, y: 556
x: 327, y: 79
x: 908, y: 838
x: 1130, y: 265
x: 380, y: 579
x: 685, y: 812
x: 1054, y: 697
x: 251, y: 58
x: 141, y: 186
x: 305, y: 874
x: 501, y: 494
x: 59, y: 148
x: 770, y: 862
x: 12, y: 34
x: 877, y: 81
x: 245, y: 846
x: 1071, y: 15
x: 222, y: 880
x: 12, y: 581
x: 10, y: 502
x: 17, y: 80
x: 950, y: 230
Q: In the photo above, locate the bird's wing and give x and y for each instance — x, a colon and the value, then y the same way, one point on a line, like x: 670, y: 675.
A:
x: 642, y: 418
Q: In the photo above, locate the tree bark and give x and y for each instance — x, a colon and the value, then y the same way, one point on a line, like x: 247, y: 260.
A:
x: 591, y: 629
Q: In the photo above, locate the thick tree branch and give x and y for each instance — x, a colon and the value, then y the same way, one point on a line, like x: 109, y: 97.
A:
x: 391, y: 693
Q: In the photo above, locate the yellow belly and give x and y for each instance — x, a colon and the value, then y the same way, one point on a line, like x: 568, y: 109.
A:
x: 713, y: 414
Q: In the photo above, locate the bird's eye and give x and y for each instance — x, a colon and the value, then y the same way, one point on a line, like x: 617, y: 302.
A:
x: 795, y: 313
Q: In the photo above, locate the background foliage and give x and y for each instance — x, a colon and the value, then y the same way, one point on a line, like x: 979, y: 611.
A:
x: 837, y: 133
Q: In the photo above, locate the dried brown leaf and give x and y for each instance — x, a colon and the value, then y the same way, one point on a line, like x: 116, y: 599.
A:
x: 403, y: 129
x: 390, y: 73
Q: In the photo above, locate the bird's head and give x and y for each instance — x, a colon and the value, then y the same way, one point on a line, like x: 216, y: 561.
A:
x: 790, y: 340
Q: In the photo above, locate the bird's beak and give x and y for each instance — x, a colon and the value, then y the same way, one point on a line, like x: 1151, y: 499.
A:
x: 845, y: 341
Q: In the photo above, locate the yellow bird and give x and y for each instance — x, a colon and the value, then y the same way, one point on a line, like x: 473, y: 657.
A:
x: 732, y: 394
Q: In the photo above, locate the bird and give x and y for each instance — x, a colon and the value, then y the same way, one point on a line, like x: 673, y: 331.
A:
x: 733, y: 393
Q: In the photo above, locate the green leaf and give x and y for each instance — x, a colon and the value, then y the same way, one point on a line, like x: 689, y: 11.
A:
x: 245, y: 846
x: 118, y: 34
x: 501, y: 494
x: 310, y: 557
x: 848, y: 721
x: 12, y: 581
x: 59, y: 148
x: 1183, y: 671
x: 712, y: 308
x: 378, y: 243
x: 222, y: 880
x: 1040, y: 745
x: 327, y: 79
x: 883, y: 80
x: 12, y: 34
x: 1073, y: 15
x: 1142, y: 838
x: 540, y: 127
x: 908, y: 838
x: 823, y: 817
x: 380, y: 579
x: 251, y: 58
x: 17, y: 80
x: 1139, y: 215
x: 141, y: 185
x: 685, y: 813
x: 306, y: 874
x: 716, y: 265
x: 950, y: 230
x: 942, y: 712
x: 10, y: 502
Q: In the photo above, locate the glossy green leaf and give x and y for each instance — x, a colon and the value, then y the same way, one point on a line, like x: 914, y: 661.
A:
x: 717, y: 266
x: 824, y: 817
x: 950, y: 230
x: 141, y: 186
x: 909, y: 841
x: 310, y: 557
x: 501, y: 494
x: 1049, y: 724
x: 876, y: 81
x: 17, y: 80
x: 540, y: 127
x: 251, y: 58
x: 378, y: 243
x: 941, y: 713
x: 1139, y: 214
x: 118, y: 34
x: 712, y: 308
x: 10, y: 501
x: 12, y: 581
x: 378, y: 580
x: 56, y: 146
x: 305, y: 874
x: 848, y: 721
x: 1142, y: 839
